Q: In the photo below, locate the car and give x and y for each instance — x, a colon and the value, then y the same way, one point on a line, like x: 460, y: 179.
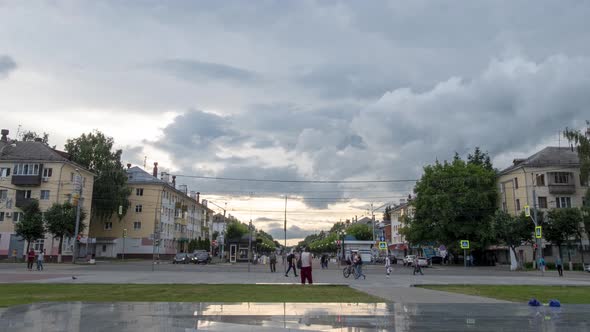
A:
x: 393, y: 259
x: 409, y: 260
x: 201, y: 257
x: 180, y: 258
x: 436, y: 259
x: 587, y: 268
x: 423, y: 261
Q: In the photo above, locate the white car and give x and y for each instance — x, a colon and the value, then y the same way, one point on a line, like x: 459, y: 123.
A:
x: 409, y: 260
x: 587, y: 268
x: 422, y: 261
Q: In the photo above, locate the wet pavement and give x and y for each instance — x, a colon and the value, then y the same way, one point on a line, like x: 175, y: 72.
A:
x: 80, y: 316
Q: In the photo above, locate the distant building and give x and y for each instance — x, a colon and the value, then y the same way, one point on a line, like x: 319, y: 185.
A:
x: 161, y: 219
x: 398, y: 245
x: 34, y: 170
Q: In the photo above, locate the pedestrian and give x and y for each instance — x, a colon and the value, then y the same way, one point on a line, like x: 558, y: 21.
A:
x: 559, y: 265
x: 542, y: 264
x: 388, y: 268
x: 306, y: 267
x: 40, y: 259
x: 14, y: 255
x: 30, y: 259
x: 291, y: 263
x: 470, y: 260
x: 273, y: 262
x: 359, y: 267
x: 417, y: 267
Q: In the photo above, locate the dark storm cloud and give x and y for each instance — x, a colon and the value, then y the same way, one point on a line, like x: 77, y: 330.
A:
x: 204, y: 72
x: 7, y: 65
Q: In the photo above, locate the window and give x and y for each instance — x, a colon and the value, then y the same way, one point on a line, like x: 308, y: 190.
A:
x: 138, y: 208
x: 4, y: 172
x: 3, y: 195
x: 137, y: 225
x: 104, y: 248
x: 108, y: 226
x: 540, y: 180
x: 561, y: 177
x: 517, y: 204
x: 47, y: 172
x: 38, y: 245
x: 139, y: 192
x: 542, y: 202
x: 516, y: 183
x: 1, y: 216
x: 17, y: 216
x: 582, y: 182
x: 563, y: 202
x: 24, y: 194
x: 26, y: 169
x: 44, y: 195
x: 72, y: 176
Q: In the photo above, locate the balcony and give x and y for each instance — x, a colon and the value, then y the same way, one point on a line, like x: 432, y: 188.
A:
x: 26, y: 180
x: 21, y: 202
x: 562, y: 189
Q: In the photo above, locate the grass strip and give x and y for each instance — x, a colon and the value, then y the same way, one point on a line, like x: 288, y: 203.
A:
x: 15, y: 294
x: 521, y: 293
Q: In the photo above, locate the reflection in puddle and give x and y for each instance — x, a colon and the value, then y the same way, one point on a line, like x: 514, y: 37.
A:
x: 76, y: 316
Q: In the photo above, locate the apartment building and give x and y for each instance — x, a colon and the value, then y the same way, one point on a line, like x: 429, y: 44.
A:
x: 397, y: 243
x: 35, y: 171
x: 548, y: 179
x: 161, y: 219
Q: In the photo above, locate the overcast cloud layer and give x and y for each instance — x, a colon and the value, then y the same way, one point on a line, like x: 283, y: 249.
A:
x: 299, y: 89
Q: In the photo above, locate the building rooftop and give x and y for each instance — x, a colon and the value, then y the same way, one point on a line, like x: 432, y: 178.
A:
x: 30, y: 151
x: 549, y: 156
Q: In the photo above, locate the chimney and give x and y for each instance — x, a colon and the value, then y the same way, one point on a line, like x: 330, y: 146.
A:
x: 198, y: 196
x: 128, y: 165
x: 174, y: 181
x: 155, y: 174
x: 4, y: 137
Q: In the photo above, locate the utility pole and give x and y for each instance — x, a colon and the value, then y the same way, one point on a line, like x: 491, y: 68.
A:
x: 538, y: 241
x: 249, y: 245
x: 285, y: 229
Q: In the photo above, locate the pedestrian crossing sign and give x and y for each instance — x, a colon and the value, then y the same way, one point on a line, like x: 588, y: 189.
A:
x: 464, y: 244
x: 383, y: 245
x: 527, y: 211
x: 538, y: 231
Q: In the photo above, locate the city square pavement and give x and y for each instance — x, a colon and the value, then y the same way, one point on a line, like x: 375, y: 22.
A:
x: 398, y: 288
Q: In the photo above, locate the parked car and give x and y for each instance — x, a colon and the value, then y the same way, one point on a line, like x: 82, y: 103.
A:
x: 393, y: 259
x: 587, y: 268
x: 201, y: 257
x: 436, y: 259
x: 180, y: 259
x: 423, y: 261
x: 409, y: 260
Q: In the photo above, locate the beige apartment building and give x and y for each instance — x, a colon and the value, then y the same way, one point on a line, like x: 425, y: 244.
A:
x: 35, y: 171
x: 397, y: 244
x: 161, y: 219
x: 552, y: 176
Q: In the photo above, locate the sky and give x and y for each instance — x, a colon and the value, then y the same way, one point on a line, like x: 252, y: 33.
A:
x: 298, y: 90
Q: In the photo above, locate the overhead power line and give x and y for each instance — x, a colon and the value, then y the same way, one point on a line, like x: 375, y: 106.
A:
x: 294, y: 181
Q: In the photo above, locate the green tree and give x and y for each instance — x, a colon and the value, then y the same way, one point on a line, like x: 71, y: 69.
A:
x: 94, y: 151
x: 60, y: 220
x: 361, y: 232
x: 29, y: 136
x: 31, y: 227
x: 513, y: 231
x: 387, y: 213
x: 561, y: 226
x: 236, y: 230
x: 454, y: 201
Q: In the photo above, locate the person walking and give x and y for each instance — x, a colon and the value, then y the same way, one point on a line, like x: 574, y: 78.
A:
x: 359, y: 267
x: 306, y: 267
x: 273, y: 262
x: 559, y: 265
x: 388, y: 268
x: 291, y: 263
x: 40, y: 259
x: 30, y: 259
x: 417, y: 267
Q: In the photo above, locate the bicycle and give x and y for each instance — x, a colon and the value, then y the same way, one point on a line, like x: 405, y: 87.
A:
x: 347, y: 271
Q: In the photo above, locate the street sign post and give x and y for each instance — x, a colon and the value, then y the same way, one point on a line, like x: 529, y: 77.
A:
x: 464, y: 245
